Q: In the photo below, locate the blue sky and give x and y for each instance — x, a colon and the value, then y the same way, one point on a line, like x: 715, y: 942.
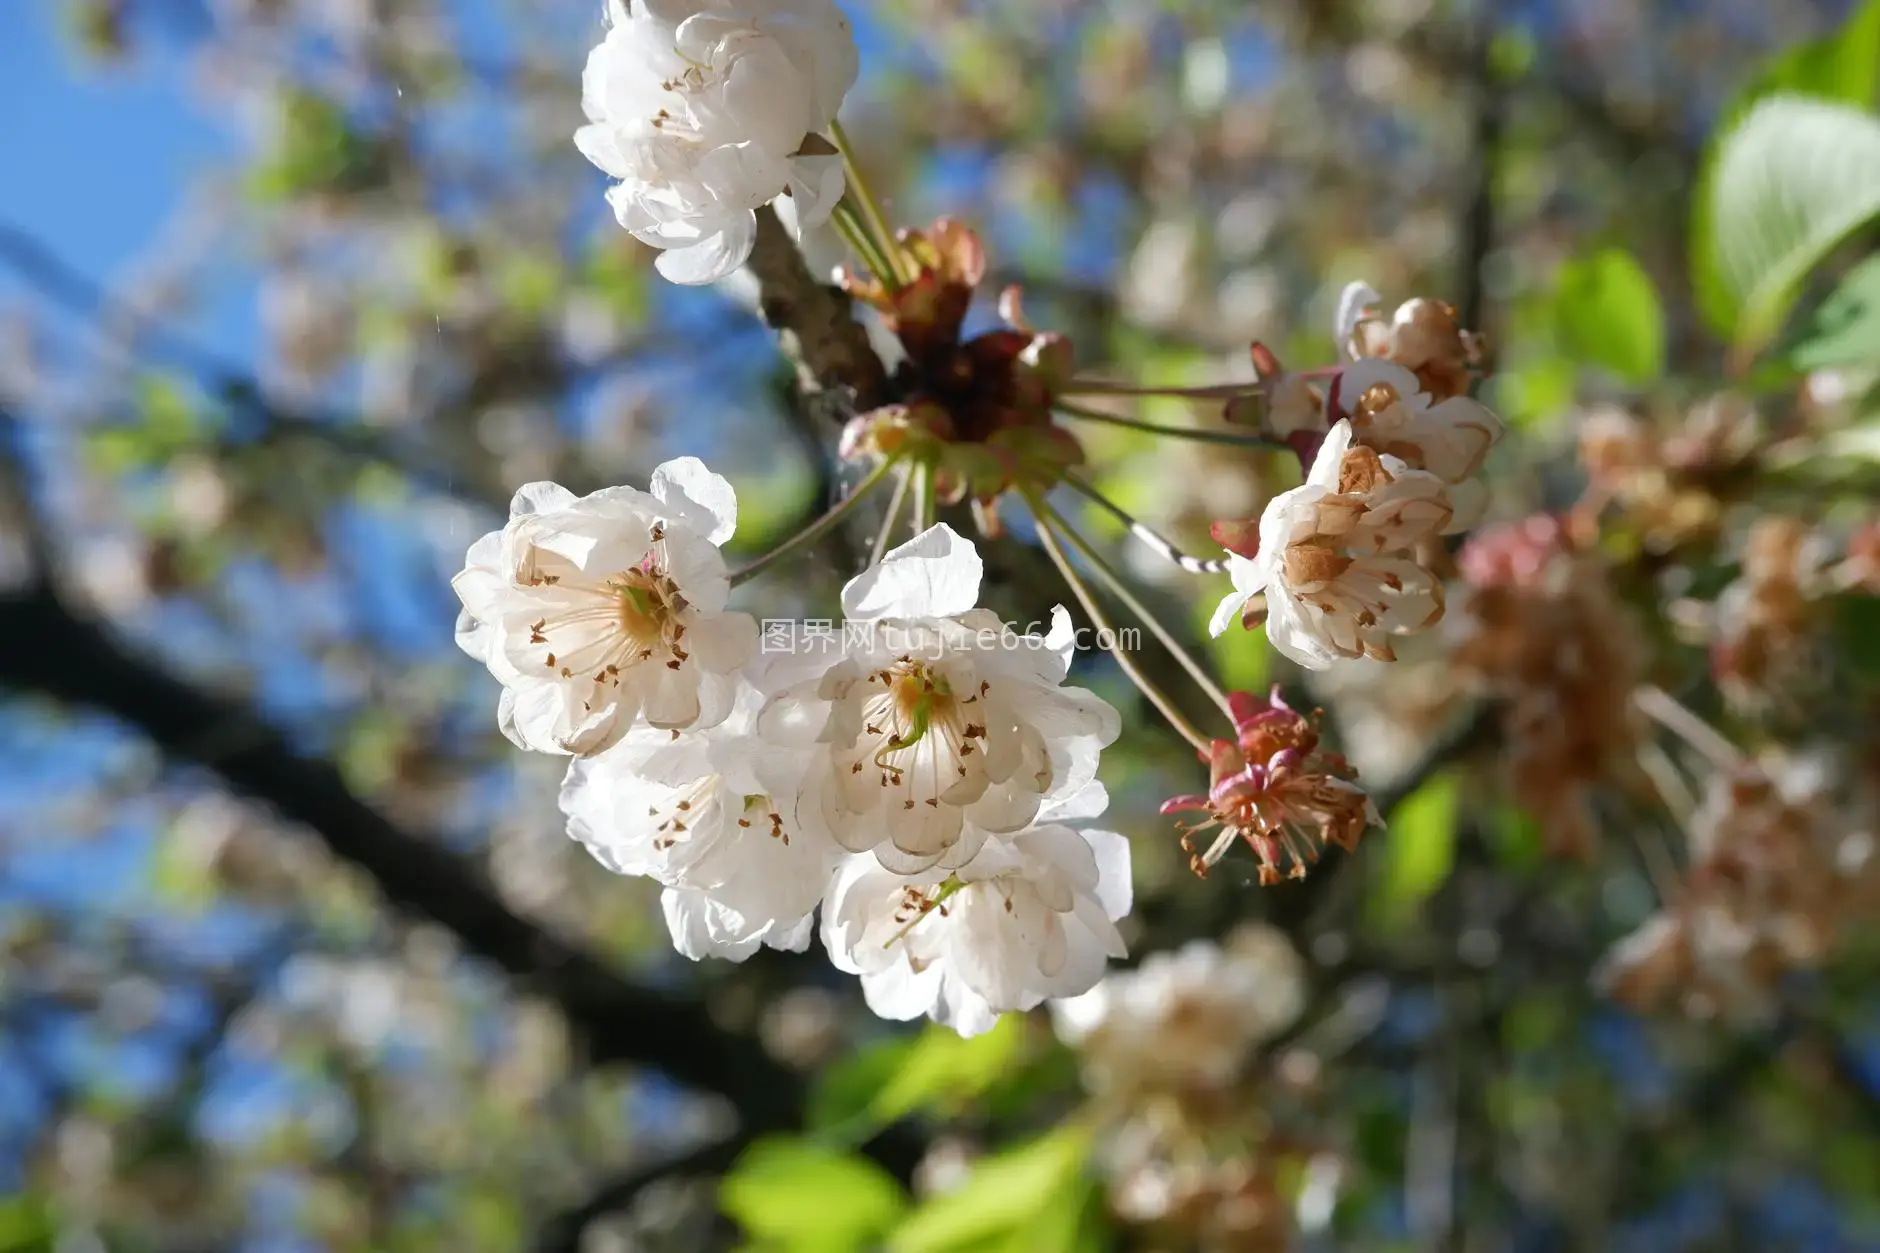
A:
x: 93, y: 159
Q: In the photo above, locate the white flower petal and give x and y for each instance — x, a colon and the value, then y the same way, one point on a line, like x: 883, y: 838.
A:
x: 712, y: 257
x: 1357, y: 302
x: 816, y: 186
x: 702, y: 500
x: 1227, y: 613
x: 933, y: 575
x: 539, y: 498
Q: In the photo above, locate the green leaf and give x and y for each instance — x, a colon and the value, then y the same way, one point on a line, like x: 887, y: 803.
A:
x: 1609, y: 315
x: 1515, y: 839
x: 794, y: 1194
x: 936, y: 1071
x: 26, y: 1224
x: 845, y: 1092
x: 1790, y: 182
x: 1531, y: 393
x: 1002, y: 1203
x: 944, y: 1070
x: 1857, y: 620
x: 1420, y: 848
x: 1845, y: 330
x: 1844, y: 67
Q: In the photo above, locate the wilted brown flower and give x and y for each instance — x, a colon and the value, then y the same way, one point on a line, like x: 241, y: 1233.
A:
x: 1424, y: 336
x: 1274, y: 788
x: 1545, y: 635
x: 1671, y: 487
x: 1763, y: 623
x: 1778, y: 874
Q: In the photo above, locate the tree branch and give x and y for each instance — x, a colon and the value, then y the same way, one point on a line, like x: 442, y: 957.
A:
x: 46, y: 648
x: 18, y: 515
x: 563, y: 1233
x: 815, y: 322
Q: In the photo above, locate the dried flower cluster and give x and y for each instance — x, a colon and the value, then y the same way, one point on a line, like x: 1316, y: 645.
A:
x: 1185, y: 1021
x: 1543, y: 634
x: 1766, y: 621
x: 1671, y: 488
x: 1779, y: 874
x: 1168, y: 1050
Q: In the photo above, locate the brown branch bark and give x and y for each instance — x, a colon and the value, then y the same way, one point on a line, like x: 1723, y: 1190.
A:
x: 814, y: 322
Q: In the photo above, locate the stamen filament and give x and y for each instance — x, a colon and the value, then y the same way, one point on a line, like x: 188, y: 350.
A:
x: 948, y: 889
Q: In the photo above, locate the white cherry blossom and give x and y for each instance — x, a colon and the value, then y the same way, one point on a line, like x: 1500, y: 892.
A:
x: 706, y: 110
x: 600, y: 611
x: 1187, y: 1018
x: 1390, y: 412
x: 698, y: 813
x: 1030, y: 917
x: 934, y: 725
x: 1324, y: 561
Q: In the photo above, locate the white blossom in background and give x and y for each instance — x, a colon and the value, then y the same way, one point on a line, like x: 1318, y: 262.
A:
x: 1186, y: 1019
x: 706, y: 110
x: 1325, y: 561
x: 933, y: 725
x: 1031, y: 917
x: 598, y: 612
x: 699, y: 814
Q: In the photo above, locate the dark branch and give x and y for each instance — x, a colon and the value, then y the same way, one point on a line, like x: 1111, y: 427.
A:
x: 19, y: 515
x: 563, y: 1233
x: 1478, y: 215
x: 47, y: 649
x: 815, y: 322
x: 68, y: 288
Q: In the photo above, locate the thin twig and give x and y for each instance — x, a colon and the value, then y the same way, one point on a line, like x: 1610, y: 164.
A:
x: 564, y: 1233
x: 1663, y: 708
x: 1121, y: 591
x: 815, y: 530
x: 1236, y: 439
x: 1102, y: 622
x: 19, y: 510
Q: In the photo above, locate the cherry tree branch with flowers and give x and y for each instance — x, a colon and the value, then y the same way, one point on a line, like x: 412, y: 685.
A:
x: 916, y: 785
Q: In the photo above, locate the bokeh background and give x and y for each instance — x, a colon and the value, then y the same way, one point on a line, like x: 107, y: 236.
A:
x: 294, y: 952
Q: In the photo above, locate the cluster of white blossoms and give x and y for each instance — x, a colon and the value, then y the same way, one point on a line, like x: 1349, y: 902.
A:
x: 706, y: 110
x: 916, y: 775
x: 1186, y: 1020
x: 1338, y: 561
